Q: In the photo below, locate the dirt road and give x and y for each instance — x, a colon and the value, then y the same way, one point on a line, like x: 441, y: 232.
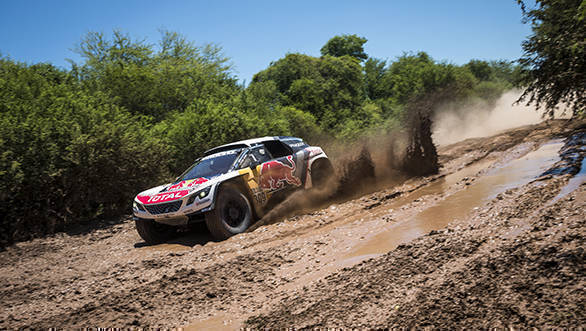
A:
x: 484, y: 243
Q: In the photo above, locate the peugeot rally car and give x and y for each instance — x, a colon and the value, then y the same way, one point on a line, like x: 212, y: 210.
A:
x: 230, y: 187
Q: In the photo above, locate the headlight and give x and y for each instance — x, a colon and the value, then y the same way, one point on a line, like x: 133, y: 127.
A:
x: 137, y: 206
x: 204, y: 193
x: 199, y: 194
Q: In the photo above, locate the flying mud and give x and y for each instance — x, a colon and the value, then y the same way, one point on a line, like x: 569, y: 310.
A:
x: 494, y: 239
x: 398, y: 156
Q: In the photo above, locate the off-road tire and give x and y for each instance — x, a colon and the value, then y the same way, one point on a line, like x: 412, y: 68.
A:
x: 154, y: 233
x: 232, y: 214
x: 322, y: 171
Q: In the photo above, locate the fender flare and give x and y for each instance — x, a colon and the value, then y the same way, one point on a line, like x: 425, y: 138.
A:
x: 310, y: 161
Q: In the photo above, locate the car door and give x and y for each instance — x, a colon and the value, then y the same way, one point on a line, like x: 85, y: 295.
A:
x: 282, y: 171
x: 250, y: 165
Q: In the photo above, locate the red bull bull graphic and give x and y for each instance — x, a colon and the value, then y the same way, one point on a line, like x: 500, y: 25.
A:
x: 275, y: 174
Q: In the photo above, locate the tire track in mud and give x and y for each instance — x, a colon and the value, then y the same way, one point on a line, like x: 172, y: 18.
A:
x: 477, y: 274
x: 181, y: 294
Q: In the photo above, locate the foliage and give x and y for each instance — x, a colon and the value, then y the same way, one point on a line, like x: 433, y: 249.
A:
x: 374, y: 70
x: 68, y: 154
x: 412, y: 76
x: 555, y: 55
x: 480, y: 69
x: 150, y: 82
x: 495, y: 77
x: 329, y: 88
x: 350, y: 45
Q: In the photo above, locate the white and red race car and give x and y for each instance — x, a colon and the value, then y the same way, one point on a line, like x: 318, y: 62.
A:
x: 230, y: 187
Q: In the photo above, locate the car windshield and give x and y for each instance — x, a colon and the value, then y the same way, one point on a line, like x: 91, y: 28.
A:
x: 210, y: 166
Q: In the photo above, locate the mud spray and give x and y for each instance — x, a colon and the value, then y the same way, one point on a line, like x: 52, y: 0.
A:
x: 391, y: 158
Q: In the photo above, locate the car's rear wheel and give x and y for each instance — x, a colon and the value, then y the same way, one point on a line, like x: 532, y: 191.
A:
x: 154, y: 233
x: 321, y: 172
x: 232, y: 214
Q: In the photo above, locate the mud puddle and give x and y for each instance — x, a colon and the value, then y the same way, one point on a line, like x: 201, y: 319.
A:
x: 458, y: 205
x: 167, y: 248
x: 217, y: 322
x: 440, y: 185
x: 356, y: 254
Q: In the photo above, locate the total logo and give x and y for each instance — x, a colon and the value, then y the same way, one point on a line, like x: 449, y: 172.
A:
x: 162, y: 197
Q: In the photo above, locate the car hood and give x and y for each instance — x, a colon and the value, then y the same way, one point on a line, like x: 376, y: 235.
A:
x: 170, y: 192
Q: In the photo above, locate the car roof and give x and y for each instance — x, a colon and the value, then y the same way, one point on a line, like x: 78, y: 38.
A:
x: 248, y: 143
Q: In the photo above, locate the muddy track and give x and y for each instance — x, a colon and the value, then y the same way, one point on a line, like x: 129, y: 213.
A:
x: 514, y: 256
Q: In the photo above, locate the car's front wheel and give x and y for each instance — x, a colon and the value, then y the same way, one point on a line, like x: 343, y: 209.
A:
x: 232, y: 214
x: 154, y: 233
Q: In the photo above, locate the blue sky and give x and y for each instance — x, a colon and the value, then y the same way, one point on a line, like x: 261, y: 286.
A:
x: 254, y: 33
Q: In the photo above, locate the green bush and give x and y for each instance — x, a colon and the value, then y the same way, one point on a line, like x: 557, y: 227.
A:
x: 68, y: 155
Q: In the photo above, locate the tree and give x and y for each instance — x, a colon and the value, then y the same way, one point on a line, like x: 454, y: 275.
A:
x: 330, y: 88
x: 555, y: 55
x: 374, y: 70
x: 413, y: 76
x: 480, y: 69
x: 350, y: 45
x: 150, y: 81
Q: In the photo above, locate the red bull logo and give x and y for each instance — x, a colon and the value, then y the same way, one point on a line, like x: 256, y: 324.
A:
x: 187, y: 183
x: 274, y: 174
x: 173, y: 192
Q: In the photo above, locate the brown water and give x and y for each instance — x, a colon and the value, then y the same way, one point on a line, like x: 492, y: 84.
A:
x: 458, y: 205
x: 167, y: 247
x: 217, y: 322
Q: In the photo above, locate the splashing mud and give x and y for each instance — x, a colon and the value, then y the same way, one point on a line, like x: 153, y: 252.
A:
x: 399, y: 155
x: 354, y: 176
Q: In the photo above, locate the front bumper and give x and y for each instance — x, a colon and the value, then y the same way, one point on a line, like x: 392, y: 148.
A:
x: 177, y: 212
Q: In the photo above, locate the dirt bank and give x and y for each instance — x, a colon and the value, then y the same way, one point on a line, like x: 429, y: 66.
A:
x: 513, y: 257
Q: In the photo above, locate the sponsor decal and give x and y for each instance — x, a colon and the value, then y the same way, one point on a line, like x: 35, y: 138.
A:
x: 162, y: 197
x: 299, y: 144
x: 187, y: 183
x: 230, y: 152
x: 313, y: 151
x: 274, y: 174
x: 259, y: 195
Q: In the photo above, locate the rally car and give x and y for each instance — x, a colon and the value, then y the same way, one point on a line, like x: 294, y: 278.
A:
x: 230, y: 187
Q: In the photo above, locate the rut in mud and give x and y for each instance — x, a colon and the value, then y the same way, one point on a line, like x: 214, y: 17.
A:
x: 518, y: 262
x: 511, y: 257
